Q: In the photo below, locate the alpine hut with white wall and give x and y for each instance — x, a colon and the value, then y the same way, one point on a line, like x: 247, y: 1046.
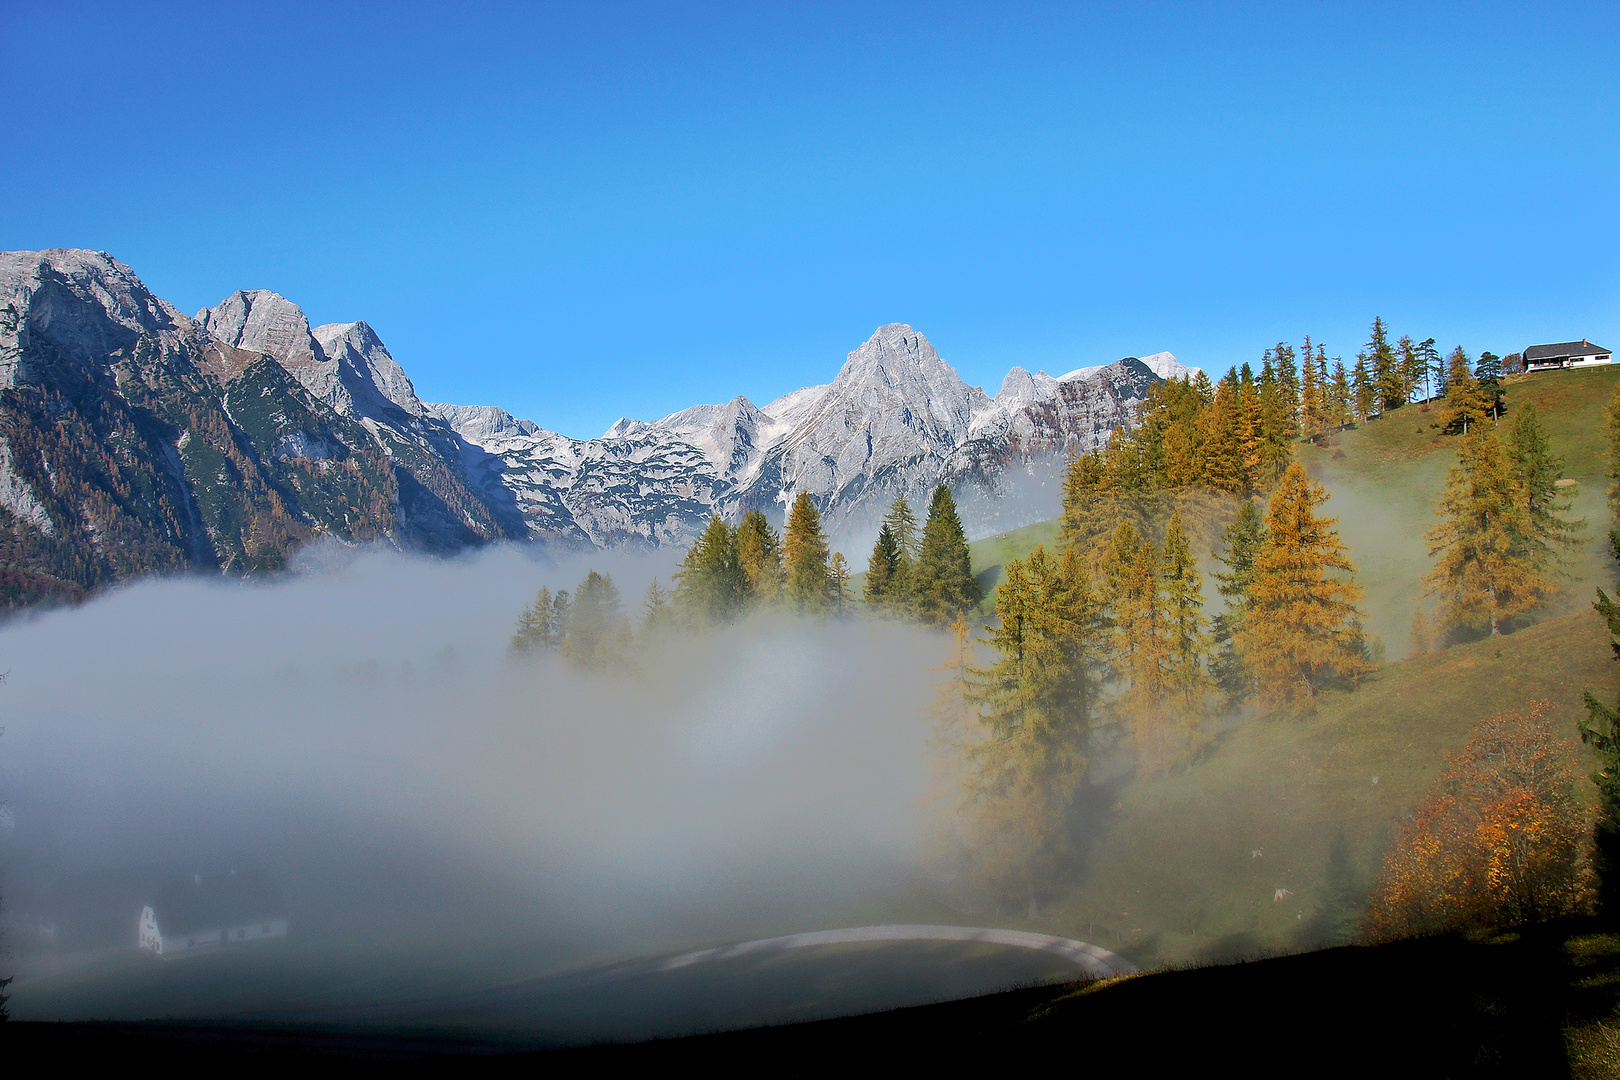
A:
x: 213, y: 911
x: 1565, y: 354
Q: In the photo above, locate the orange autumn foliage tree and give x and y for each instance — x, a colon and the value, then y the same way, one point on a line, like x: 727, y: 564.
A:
x: 1499, y: 839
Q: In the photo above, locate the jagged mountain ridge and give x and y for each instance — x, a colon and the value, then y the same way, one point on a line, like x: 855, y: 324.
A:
x: 139, y: 440
x: 896, y: 419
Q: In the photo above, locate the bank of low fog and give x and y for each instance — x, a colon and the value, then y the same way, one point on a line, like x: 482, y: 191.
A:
x: 359, y: 730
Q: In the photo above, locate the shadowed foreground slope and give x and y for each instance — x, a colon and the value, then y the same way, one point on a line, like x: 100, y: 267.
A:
x: 1541, y: 1003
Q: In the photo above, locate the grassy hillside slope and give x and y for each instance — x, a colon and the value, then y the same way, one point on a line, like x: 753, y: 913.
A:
x: 1385, y: 476
x: 992, y: 553
x: 1171, y: 873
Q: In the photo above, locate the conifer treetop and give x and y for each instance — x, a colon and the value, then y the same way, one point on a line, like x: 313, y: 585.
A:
x: 809, y: 582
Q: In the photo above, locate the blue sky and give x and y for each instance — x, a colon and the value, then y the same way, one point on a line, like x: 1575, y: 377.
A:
x: 579, y: 212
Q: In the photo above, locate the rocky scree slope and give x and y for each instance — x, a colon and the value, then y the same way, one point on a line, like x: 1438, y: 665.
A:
x: 137, y: 440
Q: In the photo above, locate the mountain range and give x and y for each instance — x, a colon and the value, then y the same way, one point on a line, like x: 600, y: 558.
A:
x: 135, y: 439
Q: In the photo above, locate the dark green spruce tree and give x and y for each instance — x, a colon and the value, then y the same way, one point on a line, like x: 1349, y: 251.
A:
x: 1488, y: 372
x: 1239, y: 544
x: 1386, y: 368
x: 903, y: 526
x: 1538, y: 470
x: 883, y: 573
x: 711, y: 585
x: 943, y: 585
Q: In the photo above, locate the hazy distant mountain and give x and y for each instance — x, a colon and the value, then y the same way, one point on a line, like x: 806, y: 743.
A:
x: 138, y: 440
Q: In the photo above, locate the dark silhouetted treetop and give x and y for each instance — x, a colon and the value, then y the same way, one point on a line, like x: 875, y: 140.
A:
x: 882, y: 572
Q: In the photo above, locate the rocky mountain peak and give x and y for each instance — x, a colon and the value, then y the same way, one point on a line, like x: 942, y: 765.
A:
x: 86, y: 305
x: 896, y: 379
x: 896, y: 356
x: 1020, y: 388
x: 261, y: 321
x: 369, y: 372
x: 482, y: 423
x: 894, y: 405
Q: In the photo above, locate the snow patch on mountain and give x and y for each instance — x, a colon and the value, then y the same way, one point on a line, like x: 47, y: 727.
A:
x: 729, y: 434
x: 791, y: 408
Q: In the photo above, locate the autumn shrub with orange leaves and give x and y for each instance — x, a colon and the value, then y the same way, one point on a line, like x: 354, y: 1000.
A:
x: 1498, y: 840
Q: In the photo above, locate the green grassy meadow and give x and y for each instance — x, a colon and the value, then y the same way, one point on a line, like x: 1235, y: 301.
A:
x: 992, y: 553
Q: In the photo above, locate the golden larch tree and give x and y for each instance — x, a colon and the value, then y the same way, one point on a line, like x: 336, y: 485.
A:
x: 1486, y: 568
x: 1302, y: 626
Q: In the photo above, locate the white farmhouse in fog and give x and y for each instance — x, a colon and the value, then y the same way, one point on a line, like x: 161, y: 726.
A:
x: 1565, y: 354
x: 211, y: 911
